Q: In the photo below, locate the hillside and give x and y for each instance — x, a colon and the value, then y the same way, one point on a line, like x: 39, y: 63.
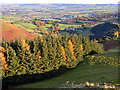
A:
x: 11, y: 32
x: 103, y: 30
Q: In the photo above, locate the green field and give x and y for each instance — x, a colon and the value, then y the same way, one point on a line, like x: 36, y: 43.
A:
x: 27, y: 26
x: 97, y: 73
x: 52, y: 19
x: 10, y: 19
x: 86, y: 32
x: 81, y: 74
x: 63, y: 26
x: 111, y: 53
x: 30, y: 27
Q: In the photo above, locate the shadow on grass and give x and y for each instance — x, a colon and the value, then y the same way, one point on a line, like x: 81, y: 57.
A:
x: 11, y: 81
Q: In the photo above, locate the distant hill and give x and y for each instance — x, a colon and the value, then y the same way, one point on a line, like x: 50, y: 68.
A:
x: 103, y: 30
x: 11, y: 32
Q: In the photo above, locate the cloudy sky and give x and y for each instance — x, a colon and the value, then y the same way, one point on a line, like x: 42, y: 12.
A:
x: 63, y: 1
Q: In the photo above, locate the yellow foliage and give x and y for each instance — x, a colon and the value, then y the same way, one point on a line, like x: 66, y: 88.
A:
x: 25, y: 45
x: 117, y: 24
x: 2, y: 49
x: 42, y: 40
x: 39, y: 54
x: 97, y: 41
x: 63, y: 51
x: 107, y: 38
x: 70, y: 45
x: 71, y: 48
x: 56, y: 35
x: 4, y: 64
x: 116, y: 33
x: 81, y: 47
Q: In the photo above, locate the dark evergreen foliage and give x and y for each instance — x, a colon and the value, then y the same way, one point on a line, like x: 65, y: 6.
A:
x: 45, y: 54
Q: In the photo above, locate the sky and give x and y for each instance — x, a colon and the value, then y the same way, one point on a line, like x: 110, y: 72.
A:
x: 62, y: 1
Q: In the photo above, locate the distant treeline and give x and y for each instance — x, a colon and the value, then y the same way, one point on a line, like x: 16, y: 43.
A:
x: 44, y: 54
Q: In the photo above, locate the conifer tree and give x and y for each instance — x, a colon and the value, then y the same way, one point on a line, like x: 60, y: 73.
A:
x: 86, y: 46
x: 97, y: 47
x: 59, y: 56
x: 78, y: 50
x: 13, y: 62
x: 69, y: 60
x: 24, y: 55
x: 45, y: 54
x: 54, y: 52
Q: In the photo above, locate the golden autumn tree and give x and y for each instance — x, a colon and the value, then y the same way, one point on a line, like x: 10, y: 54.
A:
x: 2, y: 57
x: 63, y: 52
x: 116, y: 34
x: 81, y: 47
x: 25, y: 45
x: 26, y: 48
x: 71, y: 48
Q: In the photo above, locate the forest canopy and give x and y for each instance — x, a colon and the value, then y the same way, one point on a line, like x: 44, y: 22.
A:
x: 45, y: 54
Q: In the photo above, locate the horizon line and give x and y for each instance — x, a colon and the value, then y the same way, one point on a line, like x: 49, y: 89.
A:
x: 60, y: 3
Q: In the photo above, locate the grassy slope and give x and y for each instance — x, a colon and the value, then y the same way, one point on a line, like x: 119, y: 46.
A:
x: 12, y: 32
x: 112, y: 52
x: 30, y: 27
x: 82, y: 73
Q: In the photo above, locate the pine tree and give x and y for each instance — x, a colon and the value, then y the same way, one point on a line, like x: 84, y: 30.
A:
x: 59, y: 53
x: 24, y: 54
x: 45, y: 55
x: 54, y: 53
x: 13, y: 62
x: 86, y: 46
x: 78, y: 50
x: 97, y: 47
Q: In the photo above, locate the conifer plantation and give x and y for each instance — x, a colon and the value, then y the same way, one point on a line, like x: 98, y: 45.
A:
x: 45, y: 54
